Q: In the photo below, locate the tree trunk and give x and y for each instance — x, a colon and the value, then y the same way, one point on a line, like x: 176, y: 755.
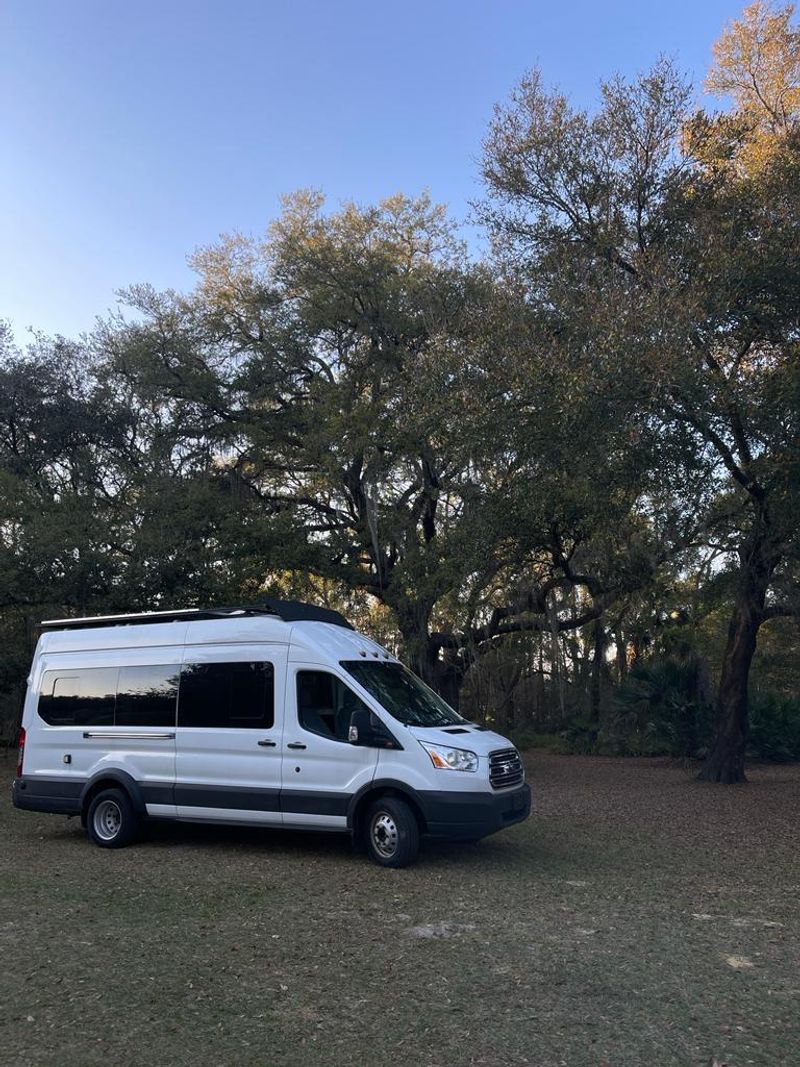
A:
x: 556, y: 669
x: 445, y: 675
x: 621, y: 656
x: 598, y: 664
x: 725, y: 760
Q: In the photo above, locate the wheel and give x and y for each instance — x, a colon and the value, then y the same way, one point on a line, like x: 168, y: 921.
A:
x: 111, y: 821
x: 392, y: 834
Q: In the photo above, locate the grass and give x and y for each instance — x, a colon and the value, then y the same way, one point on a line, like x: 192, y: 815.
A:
x: 637, y: 918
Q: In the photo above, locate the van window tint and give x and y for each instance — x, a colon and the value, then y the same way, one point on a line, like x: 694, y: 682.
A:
x: 84, y: 698
x: 325, y: 704
x: 146, y: 695
x: 240, y: 695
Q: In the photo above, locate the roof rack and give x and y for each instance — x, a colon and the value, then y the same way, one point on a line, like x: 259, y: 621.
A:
x: 287, y: 610
x: 138, y: 618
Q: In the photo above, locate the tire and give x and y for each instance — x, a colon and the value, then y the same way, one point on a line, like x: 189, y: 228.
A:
x: 391, y: 832
x: 111, y: 821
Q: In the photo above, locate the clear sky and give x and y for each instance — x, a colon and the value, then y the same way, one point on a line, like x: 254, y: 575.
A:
x: 132, y: 132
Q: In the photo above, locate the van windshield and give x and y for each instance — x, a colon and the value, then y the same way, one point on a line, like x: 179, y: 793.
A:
x: 404, y: 696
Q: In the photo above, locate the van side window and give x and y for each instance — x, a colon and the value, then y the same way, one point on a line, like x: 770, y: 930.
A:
x: 238, y: 695
x: 73, y: 698
x: 325, y: 704
x: 146, y: 696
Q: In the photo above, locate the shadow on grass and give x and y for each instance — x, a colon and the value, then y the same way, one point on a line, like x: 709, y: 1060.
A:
x: 535, y: 853
x: 252, y: 839
x: 255, y: 841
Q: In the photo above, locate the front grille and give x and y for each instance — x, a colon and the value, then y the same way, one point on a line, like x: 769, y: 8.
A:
x: 505, y: 768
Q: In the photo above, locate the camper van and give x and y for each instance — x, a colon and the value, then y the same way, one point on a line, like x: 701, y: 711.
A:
x: 278, y: 716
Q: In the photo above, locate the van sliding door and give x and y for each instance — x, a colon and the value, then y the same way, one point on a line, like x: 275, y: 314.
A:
x: 230, y: 715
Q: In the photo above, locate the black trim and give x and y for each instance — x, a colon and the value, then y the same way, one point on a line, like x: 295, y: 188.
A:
x: 68, y: 796
x: 313, y: 802
x: 464, y: 816
x: 233, y: 797
x: 451, y: 814
x: 246, y: 798
x: 122, y: 778
x: 155, y: 793
x: 469, y: 816
x: 379, y: 785
x: 297, y: 611
x: 60, y: 796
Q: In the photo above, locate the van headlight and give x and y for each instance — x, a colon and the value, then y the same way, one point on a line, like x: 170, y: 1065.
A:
x: 451, y: 759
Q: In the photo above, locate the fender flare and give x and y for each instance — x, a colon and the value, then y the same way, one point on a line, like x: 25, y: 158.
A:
x: 378, y: 785
x: 121, y: 778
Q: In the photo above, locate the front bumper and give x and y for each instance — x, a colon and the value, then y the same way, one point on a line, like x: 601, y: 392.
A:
x: 470, y: 816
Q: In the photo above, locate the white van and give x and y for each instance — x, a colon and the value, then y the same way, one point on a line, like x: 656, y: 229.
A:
x: 272, y: 716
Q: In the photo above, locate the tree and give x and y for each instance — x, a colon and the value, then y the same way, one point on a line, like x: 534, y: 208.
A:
x: 756, y: 65
x: 676, y: 276
x: 56, y: 425
x: 744, y: 211
x: 358, y: 378
x: 327, y: 369
x: 102, y: 509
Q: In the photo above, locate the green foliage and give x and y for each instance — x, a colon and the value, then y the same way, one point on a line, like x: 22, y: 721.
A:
x: 656, y: 714
x: 660, y: 710
x: 659, y: 254
x: 581, y: 736
x: 774, y: 728
x: 332, y: 370
x: 526, y: 738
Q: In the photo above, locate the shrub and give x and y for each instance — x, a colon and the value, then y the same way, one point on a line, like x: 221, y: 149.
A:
x: 774, y: 728
x: 526, y: 738
x: 581, y: 736
x: 660, y: 710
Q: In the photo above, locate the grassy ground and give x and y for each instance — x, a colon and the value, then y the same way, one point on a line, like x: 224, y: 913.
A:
x: 637, y: 918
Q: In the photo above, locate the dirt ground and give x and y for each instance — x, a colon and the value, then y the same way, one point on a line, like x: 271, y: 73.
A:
x: 638, y: 918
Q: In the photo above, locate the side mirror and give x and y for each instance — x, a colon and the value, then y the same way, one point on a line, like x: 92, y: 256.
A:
x: 366, y: 729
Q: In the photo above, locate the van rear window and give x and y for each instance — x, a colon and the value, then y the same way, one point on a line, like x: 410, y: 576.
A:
x: 146, y: 696
x: 110, y: 696
x: 84, y: 698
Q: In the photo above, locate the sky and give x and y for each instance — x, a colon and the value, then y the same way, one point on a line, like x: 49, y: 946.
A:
x: 133, y: 133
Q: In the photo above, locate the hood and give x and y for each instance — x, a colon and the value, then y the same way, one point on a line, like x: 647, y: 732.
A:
x: 475, y: 738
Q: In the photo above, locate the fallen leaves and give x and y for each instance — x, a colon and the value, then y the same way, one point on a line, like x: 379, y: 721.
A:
x: 739, y: 963
x: 440, y: 930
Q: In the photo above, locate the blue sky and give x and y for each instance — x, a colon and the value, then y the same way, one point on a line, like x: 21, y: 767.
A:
x: 133, y: 132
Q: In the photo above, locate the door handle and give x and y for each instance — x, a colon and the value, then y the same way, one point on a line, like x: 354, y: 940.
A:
x: 295, y: 744
x: 267, y: 744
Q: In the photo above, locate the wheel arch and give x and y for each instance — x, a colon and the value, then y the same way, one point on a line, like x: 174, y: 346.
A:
x: 381, y: 787
x: 112, y: 778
